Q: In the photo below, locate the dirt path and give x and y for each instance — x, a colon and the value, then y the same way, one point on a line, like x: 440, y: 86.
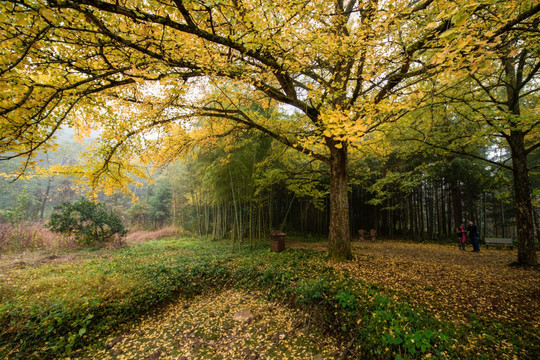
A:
x: 14, y: 261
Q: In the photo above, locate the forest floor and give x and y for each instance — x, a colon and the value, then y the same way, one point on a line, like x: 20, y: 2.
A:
x: 229, y: 324
x: 480, y: 293
x: 451, y: 283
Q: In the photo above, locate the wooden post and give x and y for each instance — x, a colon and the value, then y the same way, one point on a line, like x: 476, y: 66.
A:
x: 361, y: 233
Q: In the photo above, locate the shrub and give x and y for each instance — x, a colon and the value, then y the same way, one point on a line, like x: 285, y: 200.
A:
x: 90, y: 223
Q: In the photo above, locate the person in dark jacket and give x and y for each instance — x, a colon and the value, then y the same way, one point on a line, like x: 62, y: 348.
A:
x: 474, y: 235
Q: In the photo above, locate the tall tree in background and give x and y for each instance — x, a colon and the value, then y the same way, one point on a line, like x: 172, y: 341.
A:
x: 340, y: 67
x: 495, y: 104
x: 512, y: 91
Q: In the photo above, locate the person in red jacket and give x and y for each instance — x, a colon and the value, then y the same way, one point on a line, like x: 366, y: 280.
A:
x: 461, y: 234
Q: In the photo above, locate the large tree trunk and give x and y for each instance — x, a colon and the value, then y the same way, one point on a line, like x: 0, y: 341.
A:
x: 524, y: 210
x: 339, y: 237
x: 520, y: 171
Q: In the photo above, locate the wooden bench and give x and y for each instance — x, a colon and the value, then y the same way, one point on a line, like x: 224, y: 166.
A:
x: 499, y: 241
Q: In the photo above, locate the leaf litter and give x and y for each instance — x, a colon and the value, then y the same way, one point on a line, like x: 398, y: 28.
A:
x: 231, y: 324
x: 454, y: 286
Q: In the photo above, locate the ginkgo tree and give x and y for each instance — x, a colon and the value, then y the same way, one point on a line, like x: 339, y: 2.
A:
x: 510, y: 88
x: 126, y: 70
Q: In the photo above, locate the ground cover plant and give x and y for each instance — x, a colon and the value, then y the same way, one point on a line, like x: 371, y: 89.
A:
x: 395, y: 300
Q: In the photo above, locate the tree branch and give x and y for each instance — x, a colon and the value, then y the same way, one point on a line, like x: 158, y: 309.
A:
x: 241, y: 117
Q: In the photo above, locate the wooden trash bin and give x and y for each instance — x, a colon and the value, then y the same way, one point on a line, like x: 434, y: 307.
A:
x: 373, y: 234
x: 277, y: 240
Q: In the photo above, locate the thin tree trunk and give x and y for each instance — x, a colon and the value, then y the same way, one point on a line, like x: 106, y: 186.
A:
x: 45, y: 198
x: 259, y: 220
x: 484, y: 216
x: 173, y: 207
x: 429, y: 210
x: 503, y: 221
x: 456, y: 204
x: 270, y: 212
x: 218, y: 223
x: 251, y: 223
x: 421, y: 228
x: 412, y: 217
x: 224, y: 219
x: 437, y: 209
x: 235, y: 209
x: 537, y: 223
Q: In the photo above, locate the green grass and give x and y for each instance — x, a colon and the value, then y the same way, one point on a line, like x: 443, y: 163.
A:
x: 51, y: 310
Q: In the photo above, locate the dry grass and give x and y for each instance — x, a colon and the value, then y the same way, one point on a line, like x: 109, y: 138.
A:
x: 35, y: 237
x: 139, y: 236
x: 29, y: 237
x: 33, y: 244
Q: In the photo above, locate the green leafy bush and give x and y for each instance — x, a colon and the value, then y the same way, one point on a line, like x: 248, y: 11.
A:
x: 90, y: 223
